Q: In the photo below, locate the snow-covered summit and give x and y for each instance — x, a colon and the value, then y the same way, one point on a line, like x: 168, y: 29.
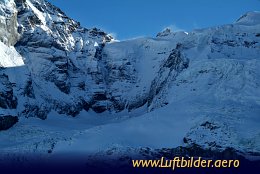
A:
x: 250, y: 18
x: 165, y: 32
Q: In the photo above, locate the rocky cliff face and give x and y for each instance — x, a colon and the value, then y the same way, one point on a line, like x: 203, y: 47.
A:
x: 8, y: 22
x: 81, y: 71
x: 65, y: 55
x: 75, y: 65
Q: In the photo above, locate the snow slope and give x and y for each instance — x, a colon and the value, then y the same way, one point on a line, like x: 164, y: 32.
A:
x: 10, y: 57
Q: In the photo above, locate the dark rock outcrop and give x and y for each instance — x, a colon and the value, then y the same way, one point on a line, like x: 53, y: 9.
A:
x: 7, y: 122
x: 7, y: 98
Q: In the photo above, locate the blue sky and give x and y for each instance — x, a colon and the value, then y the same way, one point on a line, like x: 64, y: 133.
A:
x: 134, y: 18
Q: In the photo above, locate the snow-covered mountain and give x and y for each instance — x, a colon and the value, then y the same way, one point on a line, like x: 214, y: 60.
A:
x: 178, y: 89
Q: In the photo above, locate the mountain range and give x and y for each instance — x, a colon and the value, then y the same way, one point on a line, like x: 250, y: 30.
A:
x: 66, y: 88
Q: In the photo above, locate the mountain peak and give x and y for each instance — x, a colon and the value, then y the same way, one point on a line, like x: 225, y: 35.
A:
x: 250, y: 18
x: 166, y: 32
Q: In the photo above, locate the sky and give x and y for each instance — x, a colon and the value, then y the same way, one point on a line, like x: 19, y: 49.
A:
x: 127, y: 19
